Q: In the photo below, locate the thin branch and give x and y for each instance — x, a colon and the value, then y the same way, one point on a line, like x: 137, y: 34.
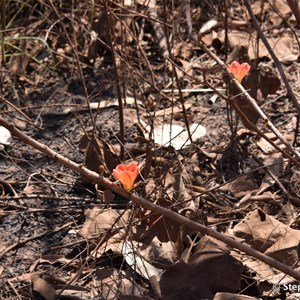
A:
x: 110, y: 36
x: 171, y: 59
x: 31, y: 238
x: 94, y: 177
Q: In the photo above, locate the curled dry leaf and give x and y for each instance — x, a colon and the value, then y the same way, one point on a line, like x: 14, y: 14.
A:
x: 159, y: 239
x: 5, y: 137
x: 42, y: 287
x: 100, y: 221
x: 138, y: 263
x: 97, y: 153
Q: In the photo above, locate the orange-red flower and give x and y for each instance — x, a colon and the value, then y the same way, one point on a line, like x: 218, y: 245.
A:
x: 127, y: 174
x: 239, y: 71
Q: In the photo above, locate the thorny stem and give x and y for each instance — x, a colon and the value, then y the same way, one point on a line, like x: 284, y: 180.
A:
x: 168, y: 213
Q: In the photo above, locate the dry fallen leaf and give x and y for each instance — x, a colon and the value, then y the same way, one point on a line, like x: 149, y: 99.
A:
x: 270, y: 236
x: 115, y: 284
x: 211, y: 269
x: 5, y: 137
x: 281, y: 45
x: 239, y: 187
x: 42, y: 287
x: 230, y: 296
x: 176, y: 135
x: 159, y: 239
x: 101, y: 221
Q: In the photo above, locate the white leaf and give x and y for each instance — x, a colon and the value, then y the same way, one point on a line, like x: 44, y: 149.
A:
x: 5, y: 136
x: 137, y: 262
x: 176, y: 135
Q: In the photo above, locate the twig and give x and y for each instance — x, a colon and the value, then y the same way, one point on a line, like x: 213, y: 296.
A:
x: 26, y: 240
x: 110, y: 36
x: 178, y: 82
x: 14, y: 289
x: 94, y: 177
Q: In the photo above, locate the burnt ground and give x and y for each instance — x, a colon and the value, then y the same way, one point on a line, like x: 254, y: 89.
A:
x: 47, y: 248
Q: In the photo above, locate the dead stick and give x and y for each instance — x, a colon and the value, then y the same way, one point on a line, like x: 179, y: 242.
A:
x: 94, y: 177
x: 31, y: 238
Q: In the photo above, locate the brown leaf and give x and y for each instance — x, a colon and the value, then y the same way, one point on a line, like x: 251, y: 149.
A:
x: 211, y: 269
x: 270, y: 236
x: 98, y: 152
x: 19, y: 63
x: 240, y: 186
x: 93, y: 155
x: 230, y: 296
x: 269, y: 83
x: 116, y: 284
x: 99, y: 220
x: 111, y: 159
x: 42, y: 287
x: 109, y: 222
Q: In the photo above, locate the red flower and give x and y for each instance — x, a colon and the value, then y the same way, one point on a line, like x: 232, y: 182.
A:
x: 127, y: 174
x: 239, y: 71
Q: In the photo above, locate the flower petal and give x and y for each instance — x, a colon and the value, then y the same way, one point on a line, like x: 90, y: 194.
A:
x: 126, y: 174
x: 239, y: 71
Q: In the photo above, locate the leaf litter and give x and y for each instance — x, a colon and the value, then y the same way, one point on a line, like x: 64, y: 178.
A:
x: 65, y: 237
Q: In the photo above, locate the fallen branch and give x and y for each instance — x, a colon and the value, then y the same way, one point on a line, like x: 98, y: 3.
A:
x: 96, y: 178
